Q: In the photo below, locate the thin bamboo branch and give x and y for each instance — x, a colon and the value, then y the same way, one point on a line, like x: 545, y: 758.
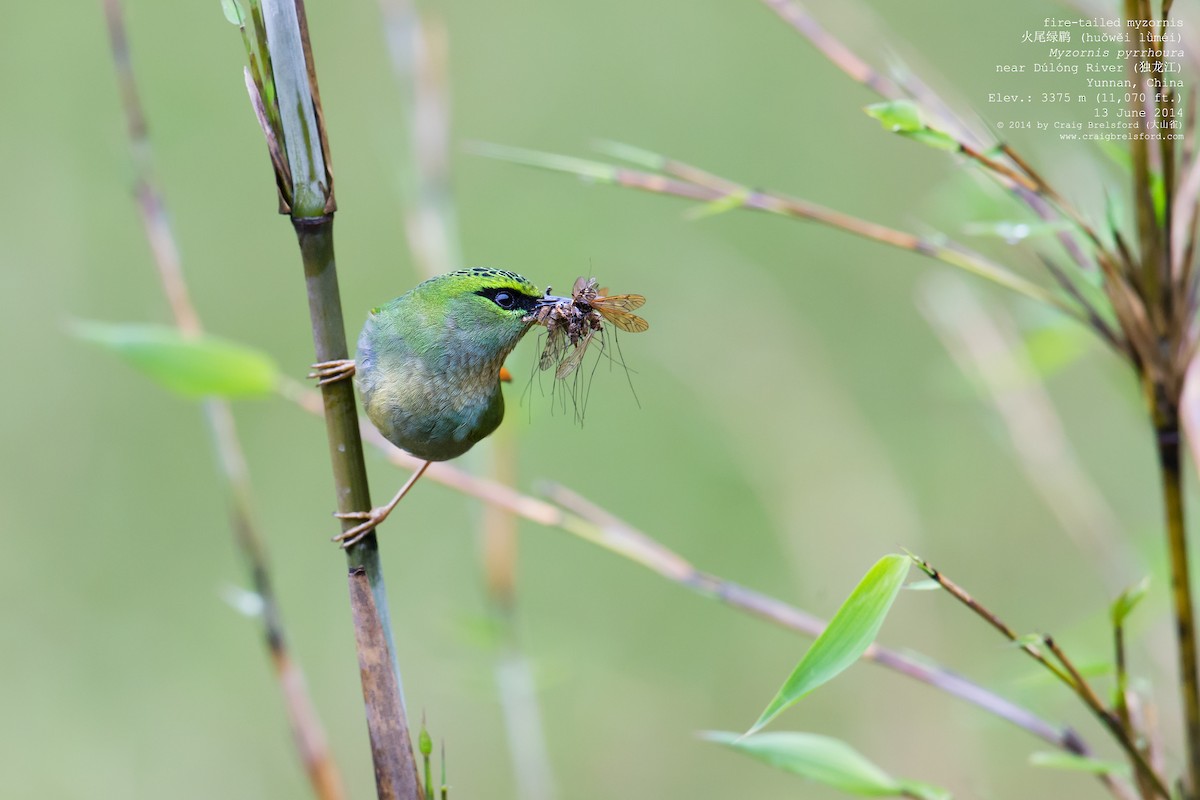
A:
x: 1043, y: 189
x: 1023, y: 181
x: 1123, y: 705
x: 591, y: 524
x: 1125, y: 736
x: 1112, y: 337
x: 961, y: 595
x: 606, y: 530
x: 304, y: 722
x: 838, y: 54
x: 948, y: 252
x: 1067, y: 673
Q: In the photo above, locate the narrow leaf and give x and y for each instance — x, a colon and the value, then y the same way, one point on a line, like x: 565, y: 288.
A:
x: 1078, y: 763
x: 1128, y: 600
x: 824, y: 760
x: 205, y: 365
x: 896, y: 115
x: 848, y: 634
x: 819, y: 758
x: 233, y: 12
x: 904, y: 117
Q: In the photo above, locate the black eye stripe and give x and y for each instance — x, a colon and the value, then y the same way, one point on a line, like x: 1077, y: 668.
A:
x: 519, y: 300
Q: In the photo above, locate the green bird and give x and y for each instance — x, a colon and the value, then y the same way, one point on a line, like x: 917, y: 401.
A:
x: 428, y: 367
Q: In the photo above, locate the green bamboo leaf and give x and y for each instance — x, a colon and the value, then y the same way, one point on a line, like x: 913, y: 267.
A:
x: 1128, y: 600
x: 233, y: 12
x: 1078, y: 763
x: 848, y: 634
x: 898, y: 116
x: 204, y: 365
x: 824, y: 760
x: 904, y: 117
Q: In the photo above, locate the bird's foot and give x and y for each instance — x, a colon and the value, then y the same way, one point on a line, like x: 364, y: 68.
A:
x: 327, y: 372
x: 370, y: 519
x: 352, y: 536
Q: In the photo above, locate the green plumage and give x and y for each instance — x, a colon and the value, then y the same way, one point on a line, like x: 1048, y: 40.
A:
x: 428, y: 363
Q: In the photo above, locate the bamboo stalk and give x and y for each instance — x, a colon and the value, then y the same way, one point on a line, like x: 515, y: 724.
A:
x: 1167, y: 430
x: 391, y: 746
x: 306, y: 193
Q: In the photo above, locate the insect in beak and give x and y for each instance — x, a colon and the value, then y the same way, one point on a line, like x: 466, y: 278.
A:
x: 552, y: 300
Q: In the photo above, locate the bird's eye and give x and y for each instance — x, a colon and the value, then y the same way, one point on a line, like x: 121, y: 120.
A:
x: 505, y: 300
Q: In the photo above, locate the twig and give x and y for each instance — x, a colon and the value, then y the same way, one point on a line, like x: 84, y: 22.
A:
x: 961, y: 595
x: 1124, y: 735
x: 841, y: 56
x: 949, y: 252
x: 1024, y: 182
x: 1114, y: 339
x: 1122, y: 705
x: 305, y: 724
x: 1067, y: 673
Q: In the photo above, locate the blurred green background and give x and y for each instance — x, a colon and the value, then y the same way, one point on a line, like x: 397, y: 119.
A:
x: 798, y: 418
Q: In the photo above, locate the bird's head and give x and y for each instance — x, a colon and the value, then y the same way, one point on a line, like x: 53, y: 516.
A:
x: 480, y: 313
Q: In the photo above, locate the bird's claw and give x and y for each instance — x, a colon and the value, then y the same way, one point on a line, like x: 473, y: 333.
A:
x: 352, y: 536
x: 327, y: 372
